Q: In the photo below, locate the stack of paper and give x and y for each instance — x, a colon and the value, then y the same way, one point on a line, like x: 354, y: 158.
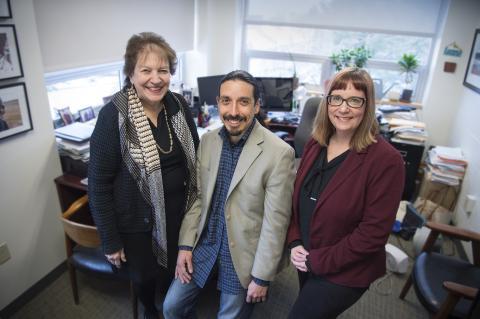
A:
x: 403, y: 124
x: 78, y: 151
x: 446, y: 165
x: 407, y: 131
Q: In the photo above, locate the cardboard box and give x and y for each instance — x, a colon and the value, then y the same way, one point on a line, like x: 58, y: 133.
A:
x: 442, y: 194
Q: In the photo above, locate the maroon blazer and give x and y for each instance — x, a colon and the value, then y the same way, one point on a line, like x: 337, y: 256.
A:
x: 354, y: 214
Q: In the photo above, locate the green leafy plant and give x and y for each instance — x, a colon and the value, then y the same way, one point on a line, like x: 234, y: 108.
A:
x: 409, y: 65
x: 357, y: 57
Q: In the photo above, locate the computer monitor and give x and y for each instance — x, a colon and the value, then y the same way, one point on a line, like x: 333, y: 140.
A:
x: 208, y: 87
x: 276, y: 94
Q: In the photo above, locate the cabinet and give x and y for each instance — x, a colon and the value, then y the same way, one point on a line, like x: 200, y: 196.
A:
x: 412, y: 157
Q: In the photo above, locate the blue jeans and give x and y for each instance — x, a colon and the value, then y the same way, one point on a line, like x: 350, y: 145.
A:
x: 181, y: 300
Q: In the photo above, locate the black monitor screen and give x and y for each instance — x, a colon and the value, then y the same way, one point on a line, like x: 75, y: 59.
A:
x: 276, y: 93
x: 208, y: 87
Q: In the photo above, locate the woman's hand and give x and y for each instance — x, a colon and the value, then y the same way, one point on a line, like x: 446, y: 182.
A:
x: 117, y: 258
x: 298, y: 257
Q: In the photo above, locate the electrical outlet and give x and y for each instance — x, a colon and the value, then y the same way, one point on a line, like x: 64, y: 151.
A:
x: 469, y: 204
x: 4, y: 253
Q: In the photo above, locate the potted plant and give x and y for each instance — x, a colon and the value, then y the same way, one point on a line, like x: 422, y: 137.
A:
x: 357, y: 57
x: 409, y: 65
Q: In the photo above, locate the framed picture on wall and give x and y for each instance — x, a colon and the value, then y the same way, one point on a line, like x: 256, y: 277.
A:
x: 5, y: 11
x: 14, y: 110
x: 10, y: 63
x: 472, y: 75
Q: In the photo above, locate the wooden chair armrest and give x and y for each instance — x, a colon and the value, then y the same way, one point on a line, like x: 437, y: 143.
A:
x: 75, y: 207
x: 452, y: 231
x: 460, y: 290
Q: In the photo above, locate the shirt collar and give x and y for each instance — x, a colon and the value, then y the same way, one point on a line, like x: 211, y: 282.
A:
x: 226, y: 136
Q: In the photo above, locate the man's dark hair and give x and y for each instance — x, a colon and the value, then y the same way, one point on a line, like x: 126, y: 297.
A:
x: 245, y: 77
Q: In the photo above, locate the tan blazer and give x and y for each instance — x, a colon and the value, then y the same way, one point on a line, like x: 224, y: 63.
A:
x: 258, y: 204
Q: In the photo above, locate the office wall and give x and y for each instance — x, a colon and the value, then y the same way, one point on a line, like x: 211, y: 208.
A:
x: 217, y: 35
x: 464, y: 103
x: 28, y: 164
x: 76, y: 33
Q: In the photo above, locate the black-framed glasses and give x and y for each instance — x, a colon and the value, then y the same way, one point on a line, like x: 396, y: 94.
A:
x: 353, y: 101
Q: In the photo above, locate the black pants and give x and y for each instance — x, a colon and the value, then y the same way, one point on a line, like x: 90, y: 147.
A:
x: 144, y: 269
x: 321, y: 299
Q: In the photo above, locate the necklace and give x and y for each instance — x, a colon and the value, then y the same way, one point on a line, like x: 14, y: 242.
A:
x: 169, y: 135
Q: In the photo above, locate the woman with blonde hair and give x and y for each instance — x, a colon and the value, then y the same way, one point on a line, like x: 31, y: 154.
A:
x: 347, y: 191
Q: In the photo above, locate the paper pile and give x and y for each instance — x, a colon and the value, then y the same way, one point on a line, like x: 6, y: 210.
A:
x: 407, y: 131
x: 403, y: 125
x: 73, y: 140
x: 77, y: 151
x: 446, y: 165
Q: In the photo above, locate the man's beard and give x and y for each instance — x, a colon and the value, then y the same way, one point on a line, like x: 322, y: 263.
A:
x: 239, y: 118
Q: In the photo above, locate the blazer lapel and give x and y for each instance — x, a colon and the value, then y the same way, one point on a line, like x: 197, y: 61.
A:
x: 352, y: 162
x: 251, y: 150
x: 213, y: 163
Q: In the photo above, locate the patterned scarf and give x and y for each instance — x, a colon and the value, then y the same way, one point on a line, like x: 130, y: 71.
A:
x: 141, y: 157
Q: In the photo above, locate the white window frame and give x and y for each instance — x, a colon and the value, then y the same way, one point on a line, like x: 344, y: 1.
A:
x: 327, y: 70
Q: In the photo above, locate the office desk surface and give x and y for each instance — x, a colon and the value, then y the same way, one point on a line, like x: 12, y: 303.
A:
x: 69, y: 189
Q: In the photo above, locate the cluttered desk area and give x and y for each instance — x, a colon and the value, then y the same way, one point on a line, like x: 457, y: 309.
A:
x: 434, y: 175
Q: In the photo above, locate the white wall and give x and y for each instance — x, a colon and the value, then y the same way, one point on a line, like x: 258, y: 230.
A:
x: 463, y: 105
x: 217, y: 38
x: 80, y: 33
x: 28, y: 164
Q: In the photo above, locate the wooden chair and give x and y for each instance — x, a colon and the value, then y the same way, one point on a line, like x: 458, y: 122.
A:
x: 446, y: 286
x: 84, y: 253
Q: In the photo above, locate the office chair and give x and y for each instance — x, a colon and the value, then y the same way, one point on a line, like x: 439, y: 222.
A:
x: 84, y: 253
x: 446, y: 286
x: 304, y: 129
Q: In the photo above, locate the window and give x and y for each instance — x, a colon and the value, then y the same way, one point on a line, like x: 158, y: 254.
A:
x: 301, y: 42
x: 84, y: 87
x: 306, y: 71
x: 81, y: 88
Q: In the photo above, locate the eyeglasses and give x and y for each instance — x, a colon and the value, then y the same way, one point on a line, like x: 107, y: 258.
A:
x: 353, y: 101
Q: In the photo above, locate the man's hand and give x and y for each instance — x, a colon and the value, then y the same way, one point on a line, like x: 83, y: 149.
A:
x: 298, y: 257
x: 117, y: 258
x: 184, y: 267
x: 256, y: 293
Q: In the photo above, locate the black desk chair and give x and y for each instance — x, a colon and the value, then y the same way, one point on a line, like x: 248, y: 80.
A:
x: 304, y: 129
x: 84, y: 253
x: 446, y: 286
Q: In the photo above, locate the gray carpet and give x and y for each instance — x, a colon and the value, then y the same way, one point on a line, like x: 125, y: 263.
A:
x: 101, y: 298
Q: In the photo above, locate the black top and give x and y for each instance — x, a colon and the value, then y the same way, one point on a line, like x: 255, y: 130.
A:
x: 313, y: 185
x: 174, y: 180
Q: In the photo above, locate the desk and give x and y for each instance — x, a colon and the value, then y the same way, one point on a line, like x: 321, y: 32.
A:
x: 415, y: 105
x: 69, y: 189
x: 289, y: 128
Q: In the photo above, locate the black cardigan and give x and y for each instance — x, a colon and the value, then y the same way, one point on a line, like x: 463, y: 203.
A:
x: 115, y: 201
